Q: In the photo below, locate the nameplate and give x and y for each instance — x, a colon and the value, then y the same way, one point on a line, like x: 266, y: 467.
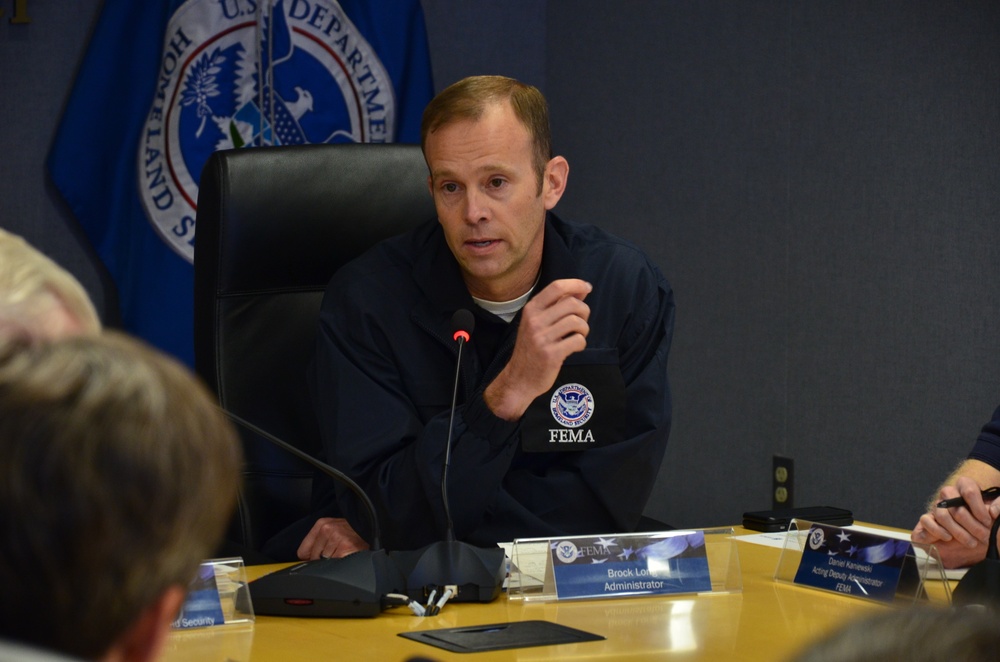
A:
x: 635, y: 564
x: 216, y: 596
x: 855, y: 563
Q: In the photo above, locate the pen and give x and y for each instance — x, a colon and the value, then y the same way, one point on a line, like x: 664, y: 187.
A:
x: 989, y: 494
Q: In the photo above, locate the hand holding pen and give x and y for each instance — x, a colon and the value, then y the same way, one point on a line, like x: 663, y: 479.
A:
x: 960, y: 533
x: 988, y: 494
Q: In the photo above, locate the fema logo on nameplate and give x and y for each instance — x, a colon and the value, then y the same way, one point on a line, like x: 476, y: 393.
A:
x: 565, y: 551
x: 241, y: 73
x: 817, y: 538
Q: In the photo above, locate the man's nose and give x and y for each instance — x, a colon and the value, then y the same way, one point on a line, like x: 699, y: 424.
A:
x: 476, y: 206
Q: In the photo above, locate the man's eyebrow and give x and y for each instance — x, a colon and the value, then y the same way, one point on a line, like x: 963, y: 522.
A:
x: 486, y: 168
x: 442, y: 172
x: 496, y: 167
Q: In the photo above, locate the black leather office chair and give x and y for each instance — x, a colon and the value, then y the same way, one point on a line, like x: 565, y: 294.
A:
x: 273, y: 225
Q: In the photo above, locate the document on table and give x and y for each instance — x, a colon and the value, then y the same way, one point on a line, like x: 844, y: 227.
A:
x: 532, y: 566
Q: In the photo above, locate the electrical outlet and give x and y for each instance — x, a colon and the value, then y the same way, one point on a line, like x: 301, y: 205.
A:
x: 782, y: 481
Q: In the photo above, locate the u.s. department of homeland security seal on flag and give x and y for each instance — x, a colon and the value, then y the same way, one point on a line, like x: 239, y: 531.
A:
x: 239, y: 73
x: 164, y: 83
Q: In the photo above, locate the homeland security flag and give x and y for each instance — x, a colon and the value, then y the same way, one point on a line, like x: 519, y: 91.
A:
x: 164, y: 84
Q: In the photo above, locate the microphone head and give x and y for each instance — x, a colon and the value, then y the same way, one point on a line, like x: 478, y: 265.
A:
x: 462, y: 323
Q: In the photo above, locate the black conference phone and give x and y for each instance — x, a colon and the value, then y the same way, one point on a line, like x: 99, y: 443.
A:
x: 778, y: 520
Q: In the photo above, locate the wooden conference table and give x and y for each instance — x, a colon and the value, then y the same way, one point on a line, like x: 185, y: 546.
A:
x: 766, y: 621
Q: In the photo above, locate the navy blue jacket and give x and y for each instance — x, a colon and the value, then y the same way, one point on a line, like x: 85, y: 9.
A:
x: 987, y: 447
x: 383, y: 376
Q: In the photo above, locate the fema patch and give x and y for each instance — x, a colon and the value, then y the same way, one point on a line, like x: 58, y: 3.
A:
x: 572, y: 405
x: 237, y: 73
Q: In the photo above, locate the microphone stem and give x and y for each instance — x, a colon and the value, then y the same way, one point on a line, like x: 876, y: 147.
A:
x: 322, y: 466
x: 450, y: 532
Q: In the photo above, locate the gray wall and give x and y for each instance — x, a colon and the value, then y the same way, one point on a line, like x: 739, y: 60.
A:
x: 39, y: 64
x: 817, y: 180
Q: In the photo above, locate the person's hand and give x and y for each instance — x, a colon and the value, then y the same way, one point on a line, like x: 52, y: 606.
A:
x: 553, y: 326
x: 961, y: 534
x: 330, y: 537
x: 956, y: 555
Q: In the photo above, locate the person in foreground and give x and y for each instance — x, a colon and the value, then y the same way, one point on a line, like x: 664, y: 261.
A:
x: 961, y: 534
x: 563, y: 404
x: 38, y: 298
x: 117, y: 477
x: 914, y: 634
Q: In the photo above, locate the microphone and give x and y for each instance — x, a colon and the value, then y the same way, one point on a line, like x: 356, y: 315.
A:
x: 355, y: 585
x: 351, y: 586
x: 472, y: 573
x: 463, y: 324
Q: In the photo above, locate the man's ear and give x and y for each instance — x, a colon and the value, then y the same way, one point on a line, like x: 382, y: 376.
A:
x: 143, y: 640
x: 554, y: 180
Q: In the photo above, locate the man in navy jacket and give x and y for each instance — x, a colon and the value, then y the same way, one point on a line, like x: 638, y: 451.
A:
x: 563, y: 404
x: 961, y: 534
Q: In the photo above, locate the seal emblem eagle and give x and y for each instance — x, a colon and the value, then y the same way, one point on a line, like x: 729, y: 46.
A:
x: 253, y: 73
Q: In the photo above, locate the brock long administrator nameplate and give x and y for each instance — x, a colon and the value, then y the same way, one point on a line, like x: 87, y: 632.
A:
x: 634, y: 564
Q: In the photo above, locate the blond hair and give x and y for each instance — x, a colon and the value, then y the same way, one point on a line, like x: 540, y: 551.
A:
x: 118, y: 474
x: 36, y: 294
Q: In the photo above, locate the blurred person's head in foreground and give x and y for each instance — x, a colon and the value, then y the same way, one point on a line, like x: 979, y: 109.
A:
x: 38, y: 298
x: 118, y: 474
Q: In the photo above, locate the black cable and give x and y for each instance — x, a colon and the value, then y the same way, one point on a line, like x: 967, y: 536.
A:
x: 336, y: 474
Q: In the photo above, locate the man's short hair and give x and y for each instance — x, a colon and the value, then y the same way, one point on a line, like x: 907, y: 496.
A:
x: 117, y: 477
x: 35, y: 292
x: 468, y: 99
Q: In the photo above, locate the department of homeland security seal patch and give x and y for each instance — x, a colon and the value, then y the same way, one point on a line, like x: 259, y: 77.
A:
x: 572, y: 405
x: 245, y: 73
